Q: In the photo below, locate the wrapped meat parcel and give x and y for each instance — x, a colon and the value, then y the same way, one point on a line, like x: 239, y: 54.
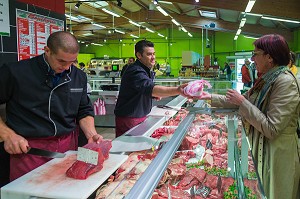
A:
x: 196, y: 87
x: 82, y: 170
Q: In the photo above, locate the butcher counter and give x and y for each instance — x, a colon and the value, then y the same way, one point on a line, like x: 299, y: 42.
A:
x: 150, y: 173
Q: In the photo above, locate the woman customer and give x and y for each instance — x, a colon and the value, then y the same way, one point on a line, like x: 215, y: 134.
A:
x: 270, y: 111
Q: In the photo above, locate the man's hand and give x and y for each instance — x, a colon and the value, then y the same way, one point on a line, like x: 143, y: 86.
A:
x: 15, y: 144
x: 95, y: 138
x: 181, y: 90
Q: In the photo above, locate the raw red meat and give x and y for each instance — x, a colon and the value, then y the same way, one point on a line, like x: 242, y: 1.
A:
x: 193, y: 177
x: 175, y: 193
x: 211, y: 181
x: 185, y: 155
x: 81, y: 170
x: 176, y: 171
x: 188, y: 143
x: 158, y: 133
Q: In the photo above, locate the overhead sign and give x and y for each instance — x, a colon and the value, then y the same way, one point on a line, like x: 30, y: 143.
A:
x: 33, y: 31
x: 4, y: 18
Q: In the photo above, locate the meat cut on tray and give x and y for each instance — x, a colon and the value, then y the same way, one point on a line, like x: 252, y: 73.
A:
x: 81, y: 170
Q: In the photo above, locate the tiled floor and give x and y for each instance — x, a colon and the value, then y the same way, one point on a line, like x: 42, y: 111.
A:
x: 107, y: 133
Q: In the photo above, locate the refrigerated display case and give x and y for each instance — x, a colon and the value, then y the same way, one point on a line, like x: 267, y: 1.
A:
x: 238, y: 180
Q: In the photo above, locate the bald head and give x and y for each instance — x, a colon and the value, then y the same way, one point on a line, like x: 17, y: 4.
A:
x: 64, y: 41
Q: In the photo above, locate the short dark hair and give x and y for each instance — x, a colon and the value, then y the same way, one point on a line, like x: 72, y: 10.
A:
x: 81, y: 64
x: 140, y: 45
x: 276, y: 46
x: 131, y: 58
x: 64, y: 41
x: 293, y: 57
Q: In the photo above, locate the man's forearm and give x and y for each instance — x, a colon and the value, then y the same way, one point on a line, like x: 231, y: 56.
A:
x: 5, y: 131
x: 87, y: 125
x: 164, y: 91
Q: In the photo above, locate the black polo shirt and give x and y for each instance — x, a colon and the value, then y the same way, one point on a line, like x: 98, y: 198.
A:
x: 135, y: 95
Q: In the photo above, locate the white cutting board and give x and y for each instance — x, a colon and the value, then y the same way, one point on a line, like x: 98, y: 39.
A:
x: 50, y: 180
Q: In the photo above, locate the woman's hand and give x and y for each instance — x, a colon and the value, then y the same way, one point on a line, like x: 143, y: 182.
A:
x: 234, y: 97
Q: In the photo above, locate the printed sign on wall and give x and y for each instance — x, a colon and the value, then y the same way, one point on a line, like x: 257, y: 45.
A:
x: 33, y: 31
x: 4, y: 18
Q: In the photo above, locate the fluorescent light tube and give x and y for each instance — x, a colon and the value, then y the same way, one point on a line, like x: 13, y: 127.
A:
x: 250, y: 37
x: 134, y: 23
x: 189, y: 34
x: 236, y: 36
x: 162, y: 10
x: 277, y: 19
x: 243, y: 21
x: 119, y: 31
x: 250, y: 5
x: 183, y: 29
x: 252, y: 14
x: 175, y: 22
x: 238, y: 31
x: 97, y: 44
x: 87, y: 34
x: 134, y: 36
x: 98, y: 25
x: 165, y: 2
x: 110, y: 12
x: 160, y: 35
x: 149, y: 30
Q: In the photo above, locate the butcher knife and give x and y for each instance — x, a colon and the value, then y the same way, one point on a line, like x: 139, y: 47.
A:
x: 45, y: 153
x: 133, y: 143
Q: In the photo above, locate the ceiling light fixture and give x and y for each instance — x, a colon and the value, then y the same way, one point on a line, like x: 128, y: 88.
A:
x: 278, y: 19
x: 183, y: 29
x: 160, y: 35
x: 189, y: 34
x: 251, y: 14
x: 88, y: 34
x: 98, y: 25
x: 134, y: 36
x: 239, y: 31
x: 155, y: 2
x: 149, y: 30
x: 166, y: 2
x: 77, y: 5
x: 197, y: 1
x: 208, y: 14
x: 134, y: 23
x: 250, y: 5
x: 162, y: 10
x: 96, y: 44
x: 119, y: 31
x: 110, y: 12
x: 175, y: 22
x: 235, y: 38
x: 250, y: 37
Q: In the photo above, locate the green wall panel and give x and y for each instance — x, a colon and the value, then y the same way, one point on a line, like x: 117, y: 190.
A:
x: 85, y: 58
x: 170, y: 49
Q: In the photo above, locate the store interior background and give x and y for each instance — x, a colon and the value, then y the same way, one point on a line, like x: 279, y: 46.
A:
x: 212, y: 42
